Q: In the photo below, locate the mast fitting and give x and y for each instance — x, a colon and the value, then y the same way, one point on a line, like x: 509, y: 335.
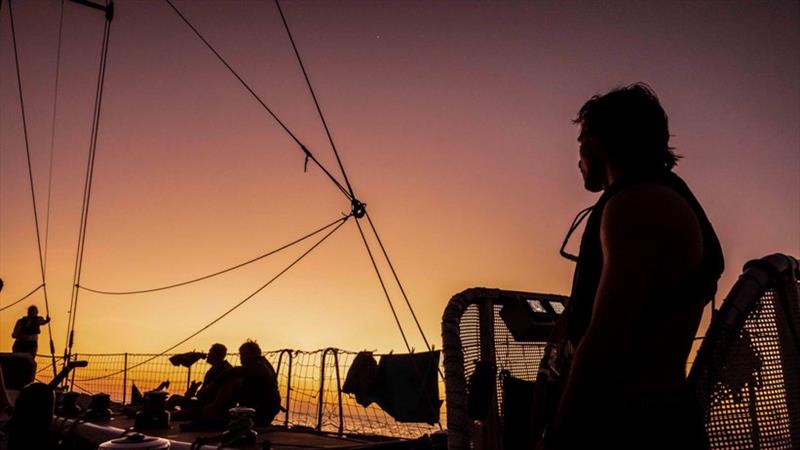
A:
x: 359, y: 209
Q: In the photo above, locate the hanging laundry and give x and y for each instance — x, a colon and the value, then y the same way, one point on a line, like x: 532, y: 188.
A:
x: 361, y: 378
x: 408, y: 388
x: 405, y: 386
x: 480, y: 389
x: 518, y: 395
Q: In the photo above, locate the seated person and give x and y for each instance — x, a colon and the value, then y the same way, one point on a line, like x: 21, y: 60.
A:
x: 253, y: 384
x: 216, y: 358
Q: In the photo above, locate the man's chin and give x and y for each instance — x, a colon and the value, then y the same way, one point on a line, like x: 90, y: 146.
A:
x: 592, y: 186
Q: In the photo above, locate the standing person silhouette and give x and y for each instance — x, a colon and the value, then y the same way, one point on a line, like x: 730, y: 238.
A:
x: 649, y: 263
x: 27, y: 330
x: 5, y: 402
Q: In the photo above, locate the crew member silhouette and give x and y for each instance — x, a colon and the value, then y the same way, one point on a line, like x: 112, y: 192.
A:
x: 649, y: 263
x: 26, y: 332
x: 216, y: 359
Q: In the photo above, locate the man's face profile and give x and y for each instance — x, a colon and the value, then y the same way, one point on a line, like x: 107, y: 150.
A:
x: 215, y: 354
x: 590, y: 162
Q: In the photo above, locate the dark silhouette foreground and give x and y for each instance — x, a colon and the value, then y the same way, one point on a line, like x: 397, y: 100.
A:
x: 649, y: 262
x: 26, y: 332
x: 253, y: 384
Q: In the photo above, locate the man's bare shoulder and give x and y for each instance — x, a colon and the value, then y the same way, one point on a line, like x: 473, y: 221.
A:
x: 650, y: 204
x: 653, y: 219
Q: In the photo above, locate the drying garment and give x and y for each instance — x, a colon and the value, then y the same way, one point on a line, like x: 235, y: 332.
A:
x: 518, y: 397
x: 408, y: 387
x: 405, y: 386
x: 361, y: 378
x: 480, y: 390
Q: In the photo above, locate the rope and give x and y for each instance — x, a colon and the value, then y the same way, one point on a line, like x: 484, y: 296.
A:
x: 399, y: 284
x: 53, y: 136
x: 231, y: 309
x: 314, y: 96
x: 288, y: 131
x: 30, y: 179
x: 205, y: 277
x: 405, y: 297
x: 22, y: 299
x: 383, y: 285
x: 53, y: 132
x: 352, y: 194
x: 87, y: 189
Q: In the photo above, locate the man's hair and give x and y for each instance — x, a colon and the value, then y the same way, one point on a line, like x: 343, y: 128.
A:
x: 633, y: 127
x: 33, y: 308
x: 250, y: 348
x: 218, y: 348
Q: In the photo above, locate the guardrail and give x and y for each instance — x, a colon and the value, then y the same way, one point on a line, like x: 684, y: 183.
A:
x: 310, y: 383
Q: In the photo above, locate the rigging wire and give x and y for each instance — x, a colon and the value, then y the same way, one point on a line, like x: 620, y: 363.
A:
x: 383, y: 285
x: 53, y: 136
x: 314, y: 96
x: 5, y: 307
x: 399, y: 284
x: 229, y: 269
x: 356, y: 203
x: 30, y: 179
x: 288, y: 131
x: 231, y: 309
x: 87, y: 189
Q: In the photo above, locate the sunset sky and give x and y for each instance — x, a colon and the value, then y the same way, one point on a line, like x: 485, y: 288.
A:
x: 453, y: 120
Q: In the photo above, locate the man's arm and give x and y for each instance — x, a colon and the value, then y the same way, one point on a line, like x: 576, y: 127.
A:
x: 633, y: 232
x: 17, y: 327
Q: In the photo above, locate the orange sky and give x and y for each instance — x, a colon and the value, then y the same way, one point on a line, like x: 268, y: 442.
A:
x: 454, y: 123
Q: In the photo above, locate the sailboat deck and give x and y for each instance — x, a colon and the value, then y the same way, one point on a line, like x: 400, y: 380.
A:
x: 278, y: 437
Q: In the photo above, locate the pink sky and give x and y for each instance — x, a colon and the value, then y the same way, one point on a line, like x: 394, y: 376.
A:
x: 452, y: 118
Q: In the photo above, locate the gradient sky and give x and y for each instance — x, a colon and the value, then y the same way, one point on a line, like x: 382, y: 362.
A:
x: 453, y: 120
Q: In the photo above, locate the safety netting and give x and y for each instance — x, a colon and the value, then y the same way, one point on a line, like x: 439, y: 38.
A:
x: 747, y: 371
x: 309, y: 382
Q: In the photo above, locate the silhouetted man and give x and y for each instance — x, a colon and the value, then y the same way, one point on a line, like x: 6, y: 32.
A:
x: 4, y: 400
x: 26, y: 332
x: 649, y: 263
x: 253, y: 384
x: 258, y: 388
x: 216, y: 359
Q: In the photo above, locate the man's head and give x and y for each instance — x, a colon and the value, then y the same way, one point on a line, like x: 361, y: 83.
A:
x: 33, y: 311
x: 625, y: 130
x: 249, y: 352
x: 216, y: 354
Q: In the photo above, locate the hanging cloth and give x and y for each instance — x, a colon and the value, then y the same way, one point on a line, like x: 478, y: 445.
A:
x: 408, y: 388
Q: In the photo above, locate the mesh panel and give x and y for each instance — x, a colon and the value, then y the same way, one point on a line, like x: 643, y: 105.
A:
x: 745, y: 386
x: 470, y: 332
x: 520, y: 359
